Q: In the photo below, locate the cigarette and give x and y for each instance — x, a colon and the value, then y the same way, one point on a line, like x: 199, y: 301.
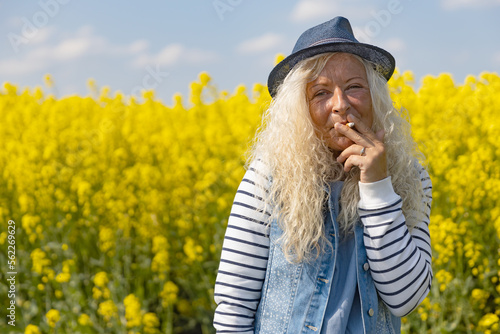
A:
x: 351, y: 124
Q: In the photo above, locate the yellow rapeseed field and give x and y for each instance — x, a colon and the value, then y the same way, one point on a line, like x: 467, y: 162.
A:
x: 120, y: 204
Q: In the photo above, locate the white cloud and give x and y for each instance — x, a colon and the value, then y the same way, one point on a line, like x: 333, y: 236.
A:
x: 84, y: 42
x: 138, y: 46
x: 307, y: 10
x: 11, y: 67
x: 260, y: 44
x: 170, y: 54
x: 174, y: 54
x: 48, y: 48
x: 73, y: 48
x: 43, y: 35
x: 394, y: 45
x: 463, y: 4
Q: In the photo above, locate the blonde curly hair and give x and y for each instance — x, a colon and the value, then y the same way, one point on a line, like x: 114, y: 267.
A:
x: 301, y: 165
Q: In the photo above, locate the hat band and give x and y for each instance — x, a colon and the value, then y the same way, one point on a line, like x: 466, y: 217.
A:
x: 328, y: 40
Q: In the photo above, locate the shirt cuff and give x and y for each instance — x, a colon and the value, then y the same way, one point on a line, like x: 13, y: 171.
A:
x: 376, y: 195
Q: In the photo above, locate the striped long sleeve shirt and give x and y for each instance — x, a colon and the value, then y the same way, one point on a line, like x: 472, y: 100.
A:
x: 399, y: 258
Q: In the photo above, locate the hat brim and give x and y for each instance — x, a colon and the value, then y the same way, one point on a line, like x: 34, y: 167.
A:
x: 384, y: 60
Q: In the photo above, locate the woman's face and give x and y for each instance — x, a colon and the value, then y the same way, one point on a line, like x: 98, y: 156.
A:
x: 340, y: 89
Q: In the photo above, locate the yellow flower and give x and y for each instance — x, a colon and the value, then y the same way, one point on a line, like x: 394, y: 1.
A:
x: 169, y: 293
x: 101, y: 279
x: 107, y: 310
x: 151, y: 323
x: 444, y: 278
x: 32, y: 329
x: 177, y: 98
x: 479, y: 297
x: 3, y: 236
x: 84, y: 320
x: 148, y: 94
x: 67, y: 266
x: 159, y: 243
x: 132, y: 311
x: 156, y: 184
x: 10, y: 88
x: 39, y: 260
x: 106, y: 240
x: 96, y: 293
x: 192, y: 251
x: 92, y: 85
x: 204, y: 78
x: 279, y: 57
x: 53, y: 317
x: 160, y: 262
x: 63, y: 277
x: 48, y: 80
x: 106, y: 293
x: 51, y: 274
x: 488, y: 321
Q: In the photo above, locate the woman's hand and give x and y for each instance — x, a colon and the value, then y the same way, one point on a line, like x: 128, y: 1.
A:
x: 367, y: 152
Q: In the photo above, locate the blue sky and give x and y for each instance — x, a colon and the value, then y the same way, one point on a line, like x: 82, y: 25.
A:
x: 130, y: 45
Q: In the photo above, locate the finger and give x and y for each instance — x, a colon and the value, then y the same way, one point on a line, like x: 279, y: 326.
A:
x: 372, y: 168
x: 348, y: 152
x: 355, y: 136
x: 367, y: 131
x: 353, y: 161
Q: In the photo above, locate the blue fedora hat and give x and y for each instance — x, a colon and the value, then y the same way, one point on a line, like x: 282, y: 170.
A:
x: 332, y: 36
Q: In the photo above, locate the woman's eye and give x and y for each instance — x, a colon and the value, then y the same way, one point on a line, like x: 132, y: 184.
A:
x: 319, y: 93
x: 354, y: 86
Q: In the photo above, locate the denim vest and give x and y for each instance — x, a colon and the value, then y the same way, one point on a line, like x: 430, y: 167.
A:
x: 295, y: 295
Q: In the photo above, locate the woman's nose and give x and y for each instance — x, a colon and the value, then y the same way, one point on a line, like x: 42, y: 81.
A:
x: 340, y: 103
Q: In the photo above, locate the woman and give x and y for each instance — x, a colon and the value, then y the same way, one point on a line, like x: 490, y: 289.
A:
x: 328, y: 231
